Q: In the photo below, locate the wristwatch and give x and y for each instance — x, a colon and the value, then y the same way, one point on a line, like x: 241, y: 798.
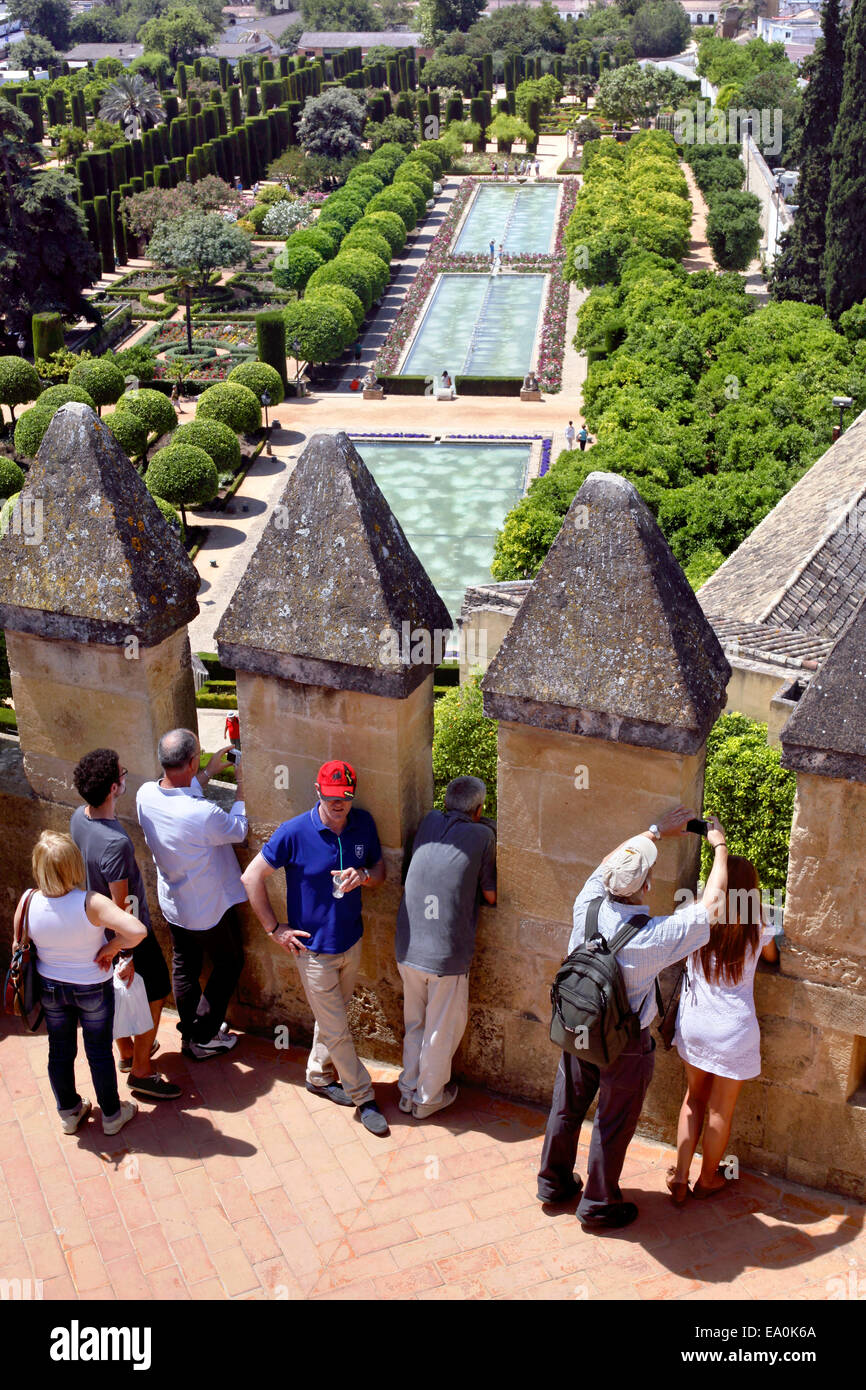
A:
x: 655, y: 832
x: 366, y: 873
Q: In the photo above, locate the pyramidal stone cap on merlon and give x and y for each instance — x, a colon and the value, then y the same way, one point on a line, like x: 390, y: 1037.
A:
x: 826, y: 734
x: 610, y: 641
x: 104, y: 563
x: 334, y: 591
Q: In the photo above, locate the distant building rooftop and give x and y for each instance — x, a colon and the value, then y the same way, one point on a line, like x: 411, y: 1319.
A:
x: 339, y: 38
x: 92, y: 52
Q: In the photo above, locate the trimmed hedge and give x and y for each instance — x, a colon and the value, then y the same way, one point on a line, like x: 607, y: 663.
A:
x: 463, y: 385
x: 232, y: 405
x: 415, y: 172
x: 54, y: 397
x: 11, y: 477
x: 260, y: 378
x: 323, y: 329
x: 318, y: 239
x: 365, y: 239
x: 19, y: 382
x: 217, y: 440
x: 395, y: 200
x: 172, y: 516
x: 294, y: 265
x: 271, y: 342
x: 47, y: 334
x: 341, y: 272
x: 29, y: 430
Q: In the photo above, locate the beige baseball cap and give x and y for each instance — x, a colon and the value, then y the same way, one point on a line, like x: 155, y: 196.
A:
x: 626, y: 870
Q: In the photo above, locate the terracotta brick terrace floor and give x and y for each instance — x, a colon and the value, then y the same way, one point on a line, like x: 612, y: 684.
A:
x: 251, y: 1188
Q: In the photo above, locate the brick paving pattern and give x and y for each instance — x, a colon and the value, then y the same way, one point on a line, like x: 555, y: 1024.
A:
x: 251, y: 1188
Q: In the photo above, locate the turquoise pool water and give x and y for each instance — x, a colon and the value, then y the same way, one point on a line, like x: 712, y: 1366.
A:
x: 521, y: 216
x: 450, y: 499
x: 478, y: 325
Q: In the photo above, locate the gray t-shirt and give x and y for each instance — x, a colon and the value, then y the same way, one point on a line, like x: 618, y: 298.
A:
x: 453, y: 858
x: 109, y: 856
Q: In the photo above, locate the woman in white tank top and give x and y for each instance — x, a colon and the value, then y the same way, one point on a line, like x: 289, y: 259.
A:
x: 717, y: 1033
x: 67, y: 927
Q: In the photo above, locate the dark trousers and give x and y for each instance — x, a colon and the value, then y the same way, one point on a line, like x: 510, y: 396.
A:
x: 202, y: 1011
x: 621, y: 1090
x: 92, y: 1006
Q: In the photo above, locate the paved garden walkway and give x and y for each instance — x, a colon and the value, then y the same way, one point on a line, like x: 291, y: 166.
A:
x: 250, y: 1187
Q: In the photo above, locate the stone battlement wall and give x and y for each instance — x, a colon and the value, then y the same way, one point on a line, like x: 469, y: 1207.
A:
x: 605, y: 688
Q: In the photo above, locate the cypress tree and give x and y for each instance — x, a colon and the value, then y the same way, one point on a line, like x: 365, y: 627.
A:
x: 799, y: 269
x: 180, y: 79
x: 844, y: 259
x: 234, y: 106
x: 103, y: 232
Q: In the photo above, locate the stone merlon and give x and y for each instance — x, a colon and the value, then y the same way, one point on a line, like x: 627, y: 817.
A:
x: 826, y: 734
x: 92, y: 559
x: 334, y: 590
x: 611, y: 642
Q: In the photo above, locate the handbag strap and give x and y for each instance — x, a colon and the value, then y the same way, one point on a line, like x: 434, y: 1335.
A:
x: 23, y: 938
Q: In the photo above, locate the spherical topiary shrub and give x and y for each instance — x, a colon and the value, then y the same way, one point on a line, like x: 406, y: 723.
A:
x: 217, y: 440
x: 53, y: 397
x: 395, y: 200
x: 337, y: 221
x: 368, y: 185
x: 129, y: 431
x: 321, y: 329
x: 415, y: 173
x: 409, y: 188
x: 389, y: 155
x: 29, y: 430
x: 259, y: 377
x: 352, y: 202
x: 232, y: 405
x: 430, y: 158
x: 183, y: 475
x: 101, y: 380
x: 332, y: 273
x: 155, y: 409
x: 172, y: 516
x: 19, y: 383
x: 390, y: 225
x: 319, y: 238
x: 11, y: 477
x: 341, y: 295
x: 6, y: 512
x: 294, y: 266
x: 378, y: 272
x: 363, y: 239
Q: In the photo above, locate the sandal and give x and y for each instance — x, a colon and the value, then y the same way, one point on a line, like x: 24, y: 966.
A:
x: 679, y: 1190
x: 707, y: 1193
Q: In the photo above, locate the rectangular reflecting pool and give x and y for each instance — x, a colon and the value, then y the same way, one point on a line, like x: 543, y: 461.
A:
x: 450, y: 500
x: 520, y: 216
x: 477, y: 325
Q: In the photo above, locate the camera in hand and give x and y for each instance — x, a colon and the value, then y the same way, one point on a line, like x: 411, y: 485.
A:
x: 697, y: 827
x: 233, y: 755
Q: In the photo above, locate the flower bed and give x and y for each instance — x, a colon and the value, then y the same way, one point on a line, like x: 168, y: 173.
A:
x: 440, y: 260
x: 234, y: 335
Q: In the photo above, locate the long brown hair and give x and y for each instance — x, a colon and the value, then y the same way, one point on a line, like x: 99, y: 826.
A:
x: 724, y: 956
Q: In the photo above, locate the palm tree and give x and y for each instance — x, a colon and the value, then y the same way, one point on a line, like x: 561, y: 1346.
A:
x: 133, y: 103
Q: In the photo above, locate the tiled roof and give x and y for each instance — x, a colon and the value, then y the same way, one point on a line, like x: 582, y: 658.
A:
x: 777, y: 645
x: 391, y: 38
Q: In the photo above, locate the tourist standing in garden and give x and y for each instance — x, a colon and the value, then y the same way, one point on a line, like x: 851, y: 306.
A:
x: 199, y: 884
x: 717, y: 1032
x: 614, y: 894
x: 492, y: 249
x: 67, y: 925
x: 111, y: 869
x: 453, y: 866
x: 328, y: 853
x: 569, y: 435
x: 583, y: 437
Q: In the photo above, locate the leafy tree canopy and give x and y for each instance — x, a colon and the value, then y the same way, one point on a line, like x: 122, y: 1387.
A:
x: 199, y: 243
x: 332, y: 123
x: 331, y: 15
x: 50, y: 19
x: 33, y: 51
x: 180, y: 33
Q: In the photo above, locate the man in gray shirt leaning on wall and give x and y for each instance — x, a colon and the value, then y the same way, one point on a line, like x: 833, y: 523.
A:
x: 453, y: 866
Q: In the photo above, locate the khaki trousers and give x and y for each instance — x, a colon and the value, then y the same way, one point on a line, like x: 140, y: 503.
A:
x: 435, y: 1011
x: 329, y: 983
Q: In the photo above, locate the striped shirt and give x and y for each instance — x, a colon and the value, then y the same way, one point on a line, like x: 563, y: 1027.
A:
x: 661, y: 942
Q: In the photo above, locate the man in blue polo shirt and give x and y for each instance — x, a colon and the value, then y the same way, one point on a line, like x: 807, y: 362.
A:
x: 328, y: 853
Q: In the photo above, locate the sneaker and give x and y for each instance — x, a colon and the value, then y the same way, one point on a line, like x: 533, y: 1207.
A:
x: 613, y: 1220
x: 70, y: 1124
x: 223, y: 1042
x: 406, y: 1104
x: 372, y: 1118
x: 153, y: 1087
x: 422, y: 1112
x: 128, y: 1108
x: 125, y: 1063
x: 333, y: 1091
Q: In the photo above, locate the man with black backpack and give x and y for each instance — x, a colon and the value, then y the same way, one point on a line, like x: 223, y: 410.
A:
x: 616, y: 1039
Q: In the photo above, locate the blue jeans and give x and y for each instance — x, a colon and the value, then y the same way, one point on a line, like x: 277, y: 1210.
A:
x: 65, y: 1006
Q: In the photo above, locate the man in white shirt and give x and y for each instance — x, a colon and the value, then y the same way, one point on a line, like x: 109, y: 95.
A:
x: 622, y: 884
x: 199, y: 884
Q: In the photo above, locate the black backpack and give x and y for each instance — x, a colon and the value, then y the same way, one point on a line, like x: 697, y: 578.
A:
x: 591, y: 1016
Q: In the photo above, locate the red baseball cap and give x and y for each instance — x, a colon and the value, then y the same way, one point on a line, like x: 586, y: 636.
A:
x: 336, y: 779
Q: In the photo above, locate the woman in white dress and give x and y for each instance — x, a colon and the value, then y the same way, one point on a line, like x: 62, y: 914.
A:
x: 717, y: 1033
